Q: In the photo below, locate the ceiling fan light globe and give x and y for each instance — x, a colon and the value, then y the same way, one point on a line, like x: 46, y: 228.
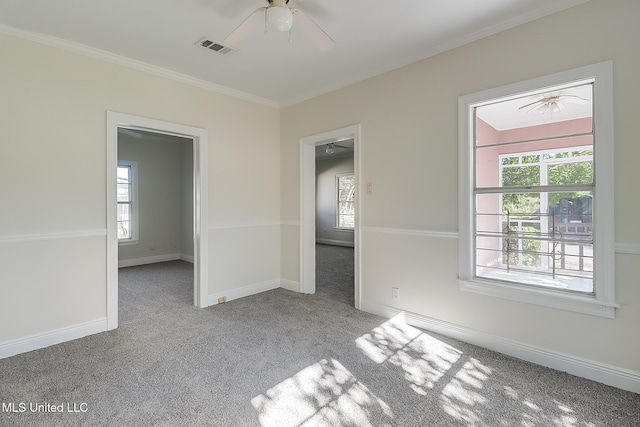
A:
x: 279, y: 19
x: 556, y: 107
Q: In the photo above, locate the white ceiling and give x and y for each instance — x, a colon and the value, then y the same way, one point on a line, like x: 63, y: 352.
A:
x: 512, y: 113
x: 372, y: 36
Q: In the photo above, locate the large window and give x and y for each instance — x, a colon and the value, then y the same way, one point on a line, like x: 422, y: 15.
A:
x: 345, y: 203
x: 127, y: 204
x: 536, y: 221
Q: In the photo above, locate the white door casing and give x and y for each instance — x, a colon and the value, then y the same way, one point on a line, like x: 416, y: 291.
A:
x: 200, y: 178
x: 308, y: 205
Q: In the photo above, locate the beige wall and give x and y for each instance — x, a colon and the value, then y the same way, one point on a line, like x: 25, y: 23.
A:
x: 415, y: 184
x: 161, y: 197
x: 53, y: 181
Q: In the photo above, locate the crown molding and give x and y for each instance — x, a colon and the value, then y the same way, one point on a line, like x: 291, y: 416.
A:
x: 132, y: 63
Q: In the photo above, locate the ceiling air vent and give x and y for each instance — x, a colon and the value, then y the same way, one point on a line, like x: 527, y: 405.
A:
x: 215, y: 46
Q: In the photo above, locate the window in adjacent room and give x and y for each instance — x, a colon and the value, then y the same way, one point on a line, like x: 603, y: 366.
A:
x: 536, y: 219
x: 127, y: 203
x: 345, y: 206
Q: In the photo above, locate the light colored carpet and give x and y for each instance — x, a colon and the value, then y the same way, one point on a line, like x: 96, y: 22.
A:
x: 334, y: 273
x: 281, y: 358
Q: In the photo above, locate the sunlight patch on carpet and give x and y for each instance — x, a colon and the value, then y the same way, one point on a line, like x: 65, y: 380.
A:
x: 325, y: 393
x: 423, y: 359
x: 461, y: 398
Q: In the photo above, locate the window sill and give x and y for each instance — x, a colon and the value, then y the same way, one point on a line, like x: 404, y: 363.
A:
x: 548, y: 298
x: 127, y: 242
x: 343, y: 229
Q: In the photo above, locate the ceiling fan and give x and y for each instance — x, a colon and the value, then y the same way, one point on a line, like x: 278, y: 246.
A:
x: 553, y: 103
x: 279, y: 17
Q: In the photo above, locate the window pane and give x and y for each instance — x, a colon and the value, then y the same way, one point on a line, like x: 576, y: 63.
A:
x: 520, y: 176
x: 124, y: 212
x: 570, y: 173
x: 522, y: 247
x: 124, y: 229
x: 346, y: 195
x: 571, y: 207
x: 346, y: 221
x: 124, y: 174
x: 345, y: 202
x: 346, y: 182
x: 124, y: 192
x: 521, y: 204
x: 346, y: 208
x: 124, y: 221
x: 346, y: 188
x: 517, y: 242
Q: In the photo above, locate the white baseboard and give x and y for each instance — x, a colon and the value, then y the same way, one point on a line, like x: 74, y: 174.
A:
x: 290, y: 285
x: 335, y: 242
x: 607, y: 374
x: 56, y: 336
x: 187, y: 258
x: 148, y: 260
x: 244, y: 291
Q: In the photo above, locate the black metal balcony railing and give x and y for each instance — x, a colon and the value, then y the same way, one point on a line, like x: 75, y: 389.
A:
x: 541, y: 244
x: 567, y: 243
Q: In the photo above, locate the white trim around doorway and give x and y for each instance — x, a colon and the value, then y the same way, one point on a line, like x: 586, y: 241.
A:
x: 308, y: 205
x: 199, y: 137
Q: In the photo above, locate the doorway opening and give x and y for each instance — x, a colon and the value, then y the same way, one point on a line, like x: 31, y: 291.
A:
x: 308, y: 148
x: 154, y: 223
x: 124, y: 225
x: 335, y: 221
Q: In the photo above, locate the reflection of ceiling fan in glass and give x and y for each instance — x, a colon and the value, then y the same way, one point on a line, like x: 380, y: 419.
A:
x: 278, y: 17
x: 553, y: 103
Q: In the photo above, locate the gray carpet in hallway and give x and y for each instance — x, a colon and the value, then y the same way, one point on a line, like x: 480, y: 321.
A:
x: 281, y: 358
x: 334, y: 273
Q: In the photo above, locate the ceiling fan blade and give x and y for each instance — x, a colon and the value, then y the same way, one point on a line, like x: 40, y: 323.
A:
x: 529, y: 105
x: 249, y: 24
x: 575, y: 99
x: 312, y: 30
x: 317, y: 9
x: 537, y: 107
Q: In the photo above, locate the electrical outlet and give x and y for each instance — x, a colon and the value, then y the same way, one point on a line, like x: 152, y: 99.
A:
x: 222, y: 299
x: 395, y: 294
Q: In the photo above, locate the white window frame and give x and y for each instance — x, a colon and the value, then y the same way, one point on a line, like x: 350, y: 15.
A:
x: 602, y: 303
x: 135, y: 235
x: 337, y: 201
